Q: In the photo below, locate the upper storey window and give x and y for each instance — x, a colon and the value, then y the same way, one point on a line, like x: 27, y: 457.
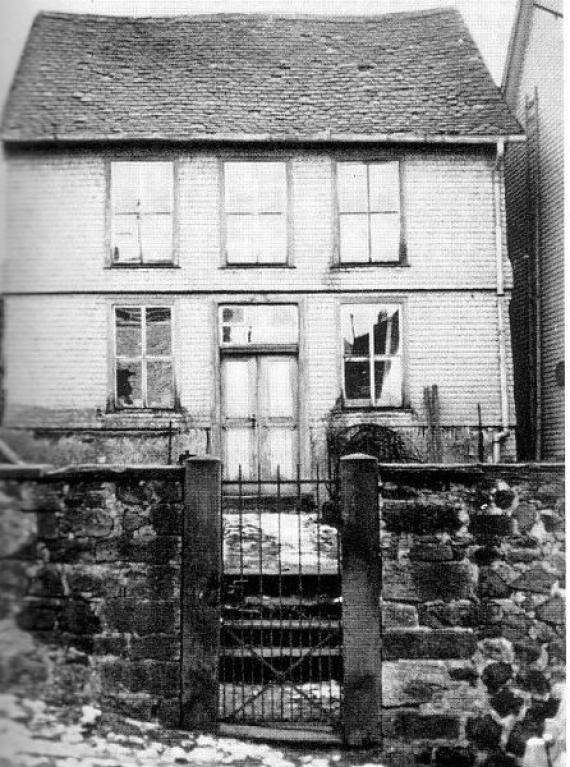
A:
x: 255, y: 213
x: 141, y: 212
x: 369, y: 212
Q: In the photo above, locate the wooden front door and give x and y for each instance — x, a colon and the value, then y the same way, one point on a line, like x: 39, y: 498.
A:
x: 259, y: 415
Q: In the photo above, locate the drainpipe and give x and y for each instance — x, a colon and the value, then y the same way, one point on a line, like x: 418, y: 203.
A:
x: 500, y: 436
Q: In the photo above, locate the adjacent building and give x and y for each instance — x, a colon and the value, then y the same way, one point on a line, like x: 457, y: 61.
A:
x: 533, y: 87
x: 237, y: 233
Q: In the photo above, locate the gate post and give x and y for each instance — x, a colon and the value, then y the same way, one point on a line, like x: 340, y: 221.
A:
x: 361, y: 584
x: 200, y: 592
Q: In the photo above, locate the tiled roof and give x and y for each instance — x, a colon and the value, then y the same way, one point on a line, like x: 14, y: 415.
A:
x: 84, y: 77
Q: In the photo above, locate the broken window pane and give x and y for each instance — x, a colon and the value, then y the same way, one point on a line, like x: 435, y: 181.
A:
x: 159, y: 383
x: 388, y: 383
x: 158, y: 334
x: 128, y: 331
x: 356, y: 322
x: 357, y: 379
x: 129, y: 384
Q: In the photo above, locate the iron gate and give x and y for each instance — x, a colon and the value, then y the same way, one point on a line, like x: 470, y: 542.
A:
x: 281, y: 633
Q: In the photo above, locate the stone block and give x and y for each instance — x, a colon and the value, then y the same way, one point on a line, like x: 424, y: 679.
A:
x: 427, y: 643
x: 411, y: 682
x: 525, y: 516
x: 427, y: 581
x: 87, y: 581
x: 453, y: 756
x: 431, y: 552
x: 492, y: 586
x: 166, y: 519
x: 533, y: 681
x: 155, y: 647
x: 495, y: 675
x: 486, y: 527
x: 412, y: 725
x: 77, y: 617
x: 498, y: 649
x: 47, y: 582
x: 36, y: 617
x: 484, y: 732
x: 536, y: 580
x: 398, y: 615
x: 462, y: 613
x: 523, y: 555
x: 142, y: 617
x: 553, y: 611
x: 87, y: 523
x: 421, y: 518
x: 506, y: 702
x: 110, y: 644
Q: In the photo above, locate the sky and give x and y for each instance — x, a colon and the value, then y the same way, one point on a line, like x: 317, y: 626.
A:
x: 490, y: 22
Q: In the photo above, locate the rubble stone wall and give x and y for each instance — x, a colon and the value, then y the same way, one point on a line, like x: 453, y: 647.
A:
x: 472, y: 608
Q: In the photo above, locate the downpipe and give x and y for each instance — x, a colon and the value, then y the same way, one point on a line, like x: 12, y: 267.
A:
x: 500, y: 436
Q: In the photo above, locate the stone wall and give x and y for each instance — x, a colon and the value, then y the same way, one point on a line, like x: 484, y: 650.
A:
x: 473, y: 609
x: 90, y: 584
x: 472, y: 606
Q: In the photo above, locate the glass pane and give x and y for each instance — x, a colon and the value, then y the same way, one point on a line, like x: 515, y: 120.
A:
x: 125, y: 187
x: 279, y: 446
x: 241, y: 236
x: 125, y: 246
x: 236, y: 389
x: 357, y: 320
x: 128, y: 331
x: 387, y: 330
x: 272, y: 186
x: 357, y: 380
x: 278, y: 388
x: 354, y: 238
x: 388, y: 382
x: 352, y: 187
x: 271, y: 239
x: 239, y: 452
x: 384, y: 186
x: 129, y: 384
x: 156, y: 186
x: 240, y: 187
x: 158, y: 332
x: 156, y: 237
x: 385, y: 237
x: 159, y: 383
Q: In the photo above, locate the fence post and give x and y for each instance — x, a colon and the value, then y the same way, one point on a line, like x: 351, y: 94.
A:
x: 200, y: 592
x: 361, y: 584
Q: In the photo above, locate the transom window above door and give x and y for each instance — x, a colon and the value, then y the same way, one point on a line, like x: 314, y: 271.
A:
x: 372, y: 355
x: 255, y: 199
x: 258, y: 325
x: 369, y: 212
x: 141, y: 212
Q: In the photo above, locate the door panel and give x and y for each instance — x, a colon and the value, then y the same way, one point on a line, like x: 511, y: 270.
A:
x: 259, y: 415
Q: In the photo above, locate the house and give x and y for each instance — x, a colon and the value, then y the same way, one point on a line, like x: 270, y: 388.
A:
x: 237, y: 234
x: 533, y: 85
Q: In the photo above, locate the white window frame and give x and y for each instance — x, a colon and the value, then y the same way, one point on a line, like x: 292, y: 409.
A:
x: 144, y: 357
x: 257, y: 259
x: 401, y: 259
x: 142, y: 262
x: 371, y: 358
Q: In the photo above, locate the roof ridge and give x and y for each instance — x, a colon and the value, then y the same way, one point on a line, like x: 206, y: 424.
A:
x: 204, y: 17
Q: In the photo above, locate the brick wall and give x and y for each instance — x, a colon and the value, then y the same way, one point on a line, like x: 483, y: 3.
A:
x: 472, y: 608
x: 57, y: 345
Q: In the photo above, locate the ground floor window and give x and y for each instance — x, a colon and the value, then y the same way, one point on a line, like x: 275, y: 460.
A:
x: 372, y: 357
x: 144, y: 372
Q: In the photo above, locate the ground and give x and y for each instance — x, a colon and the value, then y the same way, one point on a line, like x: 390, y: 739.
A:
x: 33, y: 734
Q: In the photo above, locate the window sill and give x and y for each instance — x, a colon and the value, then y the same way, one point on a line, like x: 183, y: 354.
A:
x: 347, y: 408
x: 142, y: 266
x: 148, y: 411
x: 368, y: 264
x: 257, y: 266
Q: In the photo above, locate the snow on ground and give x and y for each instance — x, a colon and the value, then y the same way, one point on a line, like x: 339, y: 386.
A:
x: 33, y: 734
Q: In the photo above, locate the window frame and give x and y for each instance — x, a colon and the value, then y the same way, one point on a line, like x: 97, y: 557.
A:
x: 369, y: 403
x: 174, y: 249
x: 402, y: 259
x: 287, y: 263
x: 143, y: 305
